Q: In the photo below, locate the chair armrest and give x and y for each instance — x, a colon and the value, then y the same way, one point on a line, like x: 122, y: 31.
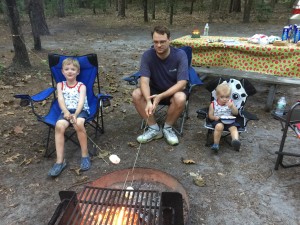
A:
x: 249, y: 116
x: 41, y: 96
x: 133, y: 79
x: 202, y: 113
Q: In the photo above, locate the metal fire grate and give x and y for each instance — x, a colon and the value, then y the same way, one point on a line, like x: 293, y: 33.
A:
x: 104, y: 206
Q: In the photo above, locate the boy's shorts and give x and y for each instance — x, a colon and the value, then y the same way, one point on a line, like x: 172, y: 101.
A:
x: 83, y: 114
x: 226, y: 126
x: 165, y: 101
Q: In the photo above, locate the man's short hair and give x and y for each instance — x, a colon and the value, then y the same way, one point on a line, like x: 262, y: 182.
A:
x: 69, y: 61
x: 161, y: 30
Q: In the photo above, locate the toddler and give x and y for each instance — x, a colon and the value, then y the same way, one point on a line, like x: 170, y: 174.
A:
x: 223, y: 106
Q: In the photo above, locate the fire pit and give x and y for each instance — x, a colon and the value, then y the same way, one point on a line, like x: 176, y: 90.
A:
x: 157, y: 198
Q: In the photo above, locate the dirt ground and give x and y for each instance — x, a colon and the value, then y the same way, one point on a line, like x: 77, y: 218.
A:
x: 240, y: 187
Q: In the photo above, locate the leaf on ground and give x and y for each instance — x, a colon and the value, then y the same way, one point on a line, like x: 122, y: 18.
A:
x: 6, y: 103
x: 26, y: 162
x: 44, y: 102
x: 199, y: 181
x: 10, y: 113
x: 12, y: 158
x: 76, y: 171
x: 82, y: 179
x: 103, y: 154
x: 188, y: 161
x: 133, y: 144
x: 18, y: 130
x: 6, y: 87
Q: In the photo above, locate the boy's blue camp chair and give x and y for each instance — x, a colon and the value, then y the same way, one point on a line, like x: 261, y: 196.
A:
x: 194, y: 80
x: 240, y: 90
x: 89, y: 76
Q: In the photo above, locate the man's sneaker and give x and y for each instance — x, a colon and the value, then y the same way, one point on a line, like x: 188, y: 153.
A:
x: 149, y: 135
x: 170, y: 136
x: 236, y: 144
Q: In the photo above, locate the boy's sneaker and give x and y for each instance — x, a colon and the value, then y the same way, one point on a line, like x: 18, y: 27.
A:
x: 170, y: 136
x: 215, y: 147
x: 149, y: 135
x: 236, y: 144
x: 57, y: 168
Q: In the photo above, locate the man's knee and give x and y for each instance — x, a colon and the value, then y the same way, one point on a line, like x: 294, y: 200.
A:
x: 136, y: 94
x: 179, y: 98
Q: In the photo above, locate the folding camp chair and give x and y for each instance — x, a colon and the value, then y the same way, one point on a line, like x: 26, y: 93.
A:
x: 194, y: 80
x: 290, y: 119
x: 88, y: 75
x: 240, y: 90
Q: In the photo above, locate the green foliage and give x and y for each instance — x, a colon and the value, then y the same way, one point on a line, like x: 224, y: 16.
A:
x: 263, y: 11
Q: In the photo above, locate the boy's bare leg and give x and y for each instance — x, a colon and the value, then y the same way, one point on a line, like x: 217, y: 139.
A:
x: 82, y: 136
x: 218, y: 132
x: 140, y: 105
x: 60, y: 128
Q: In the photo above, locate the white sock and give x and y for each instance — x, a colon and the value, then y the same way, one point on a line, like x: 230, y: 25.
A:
x: 167, y: 125
x: 154, y: 126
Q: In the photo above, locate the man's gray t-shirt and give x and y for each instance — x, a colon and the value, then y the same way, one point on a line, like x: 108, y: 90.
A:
x: 165, y: 73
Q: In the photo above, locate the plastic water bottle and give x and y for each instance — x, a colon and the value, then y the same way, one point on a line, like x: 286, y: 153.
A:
x: 281, y: 104
x: 206, y: 29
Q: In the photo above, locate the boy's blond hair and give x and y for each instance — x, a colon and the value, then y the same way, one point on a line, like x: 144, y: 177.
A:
x: 223, y: 88
x: 69, y: 61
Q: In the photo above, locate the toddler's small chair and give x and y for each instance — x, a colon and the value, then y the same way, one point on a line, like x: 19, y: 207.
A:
x: 240, y: 90
x: 89, y: 76
x: 194, y: 81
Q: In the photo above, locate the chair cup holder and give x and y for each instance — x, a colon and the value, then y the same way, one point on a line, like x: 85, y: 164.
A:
x: 24, y: 102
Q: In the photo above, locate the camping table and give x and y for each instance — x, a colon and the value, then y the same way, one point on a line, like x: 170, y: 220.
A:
x: 229, y: 56
x: 288, y: 120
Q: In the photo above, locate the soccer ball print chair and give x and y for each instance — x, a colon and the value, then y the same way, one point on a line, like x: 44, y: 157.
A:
x: 240, y: 90
x: 194, y: 80
x: 96, y: 100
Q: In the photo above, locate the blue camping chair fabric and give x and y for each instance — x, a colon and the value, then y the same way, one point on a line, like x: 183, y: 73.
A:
x: 240, y: 90
x: 194, y: 80
x: 89, y: 76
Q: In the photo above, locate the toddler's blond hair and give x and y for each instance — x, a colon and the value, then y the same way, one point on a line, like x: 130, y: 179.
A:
x: 223, y: 88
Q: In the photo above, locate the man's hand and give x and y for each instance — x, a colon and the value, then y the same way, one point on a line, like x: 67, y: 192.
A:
x: 152, y: 103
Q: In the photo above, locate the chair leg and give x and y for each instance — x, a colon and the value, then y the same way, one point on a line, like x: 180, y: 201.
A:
x: 209, y: 133
x: 47, y: 153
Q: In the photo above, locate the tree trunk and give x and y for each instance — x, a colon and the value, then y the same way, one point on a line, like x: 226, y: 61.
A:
x: 21, y: 56
x: 235, y: 6
x: 247, y: 11
x: 145, y: 6
x: 121, y: 8
x: 171, y: 11
x: 34, y: 20
x: 61, y: 8
x: 153, y: 9
x: 215, y: 5
x: 192, y: 7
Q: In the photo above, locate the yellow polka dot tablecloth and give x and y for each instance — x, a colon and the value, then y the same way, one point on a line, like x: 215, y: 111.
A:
x: 231, y: 52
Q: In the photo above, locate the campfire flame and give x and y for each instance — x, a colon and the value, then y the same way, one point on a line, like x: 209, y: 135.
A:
x: 121, y: 216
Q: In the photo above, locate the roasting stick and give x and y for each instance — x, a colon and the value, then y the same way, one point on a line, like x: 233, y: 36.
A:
x: 72, y: 122
x: 137, y: 155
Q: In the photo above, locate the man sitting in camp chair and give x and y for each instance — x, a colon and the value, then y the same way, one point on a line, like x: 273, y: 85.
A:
x: 164, y: 77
